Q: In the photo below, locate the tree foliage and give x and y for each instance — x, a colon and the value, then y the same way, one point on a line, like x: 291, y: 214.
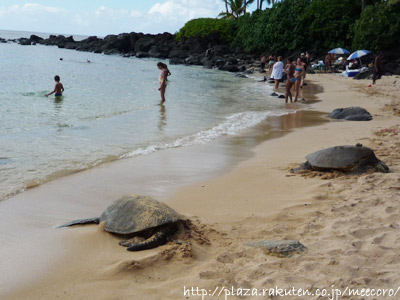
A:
x: 205, y: 26
x: 378, y: 27
x: 298, y: 25
x: 235, y: 8
x: 279, y: 29
x: 330, y: 23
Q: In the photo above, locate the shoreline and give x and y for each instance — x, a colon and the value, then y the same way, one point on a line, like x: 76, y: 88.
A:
x: 65, y: 198
x: 245, y: 203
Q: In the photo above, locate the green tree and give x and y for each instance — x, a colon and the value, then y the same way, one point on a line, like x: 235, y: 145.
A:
x: 235, y: 8
x: 330, y: 23
x: 203, y: 27
x: 247, y: 3
x: 378, y: 27
x: 277, y: 30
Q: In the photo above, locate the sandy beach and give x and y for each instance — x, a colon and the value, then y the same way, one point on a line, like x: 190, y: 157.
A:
x: 349, y: 224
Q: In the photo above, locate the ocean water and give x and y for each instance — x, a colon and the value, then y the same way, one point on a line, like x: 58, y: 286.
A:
x: 110, y: 110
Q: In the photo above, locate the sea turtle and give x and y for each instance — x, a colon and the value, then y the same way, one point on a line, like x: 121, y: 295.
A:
x: 350, y: 159
x: 147, y: 223
x: 280, y: 248
x: 353, y: 113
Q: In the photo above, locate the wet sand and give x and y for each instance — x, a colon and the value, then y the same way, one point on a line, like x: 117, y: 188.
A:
x: 249, y: 196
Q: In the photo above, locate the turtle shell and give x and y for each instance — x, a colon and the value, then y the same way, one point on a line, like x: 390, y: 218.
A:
x: 134, y: 213
x: 343, y: 158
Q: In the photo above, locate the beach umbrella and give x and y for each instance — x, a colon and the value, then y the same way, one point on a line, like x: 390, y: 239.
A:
x: 339, y: 51
x: 358, y: 54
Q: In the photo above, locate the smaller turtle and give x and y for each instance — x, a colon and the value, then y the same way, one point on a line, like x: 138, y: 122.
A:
x: 145, y: 222
x: 280, y: 248
x: 349, y: 159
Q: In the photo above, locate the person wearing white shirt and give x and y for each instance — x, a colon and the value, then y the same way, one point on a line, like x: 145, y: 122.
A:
x: 277, y: 72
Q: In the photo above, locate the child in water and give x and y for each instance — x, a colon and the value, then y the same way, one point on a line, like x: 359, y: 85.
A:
x: 58, y: 88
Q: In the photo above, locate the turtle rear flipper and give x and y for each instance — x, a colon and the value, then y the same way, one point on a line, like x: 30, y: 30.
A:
x: 159, y: 238
x: 81, y: 222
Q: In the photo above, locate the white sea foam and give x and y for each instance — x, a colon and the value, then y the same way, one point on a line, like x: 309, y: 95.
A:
x: 231, y: 126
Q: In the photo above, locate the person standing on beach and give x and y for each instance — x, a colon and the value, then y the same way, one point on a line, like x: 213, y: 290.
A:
x: 289, y: 70
x: 328, y: 62
x: 162, y: 80
x: 263, y: 60
x: 304, y: 61
x: 271, y: 63
x: 58, y: 88
x: 277, y: 71
x: 298, y: 73
x: 378, y: 68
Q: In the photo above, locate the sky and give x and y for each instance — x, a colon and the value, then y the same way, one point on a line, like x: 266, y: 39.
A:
x: 102, y: 17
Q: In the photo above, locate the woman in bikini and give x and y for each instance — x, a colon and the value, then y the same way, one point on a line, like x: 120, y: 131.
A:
x: 168, y: 72
x: 289, y: 70
x: 298, y: 73
x: 163, y: 80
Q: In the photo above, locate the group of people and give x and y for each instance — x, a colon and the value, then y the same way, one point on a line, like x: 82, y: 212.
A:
x: 295, y: 71
x: 355, y: 64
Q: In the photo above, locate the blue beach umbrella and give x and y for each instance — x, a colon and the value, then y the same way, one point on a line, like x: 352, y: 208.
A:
x: 358, y: 54
x: 339, y: 51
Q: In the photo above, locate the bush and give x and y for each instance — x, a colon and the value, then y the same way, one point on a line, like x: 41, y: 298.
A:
x: 378, y: 27
x: 205, y: 26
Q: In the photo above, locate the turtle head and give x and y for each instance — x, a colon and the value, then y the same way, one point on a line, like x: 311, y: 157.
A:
x: 382, y: 167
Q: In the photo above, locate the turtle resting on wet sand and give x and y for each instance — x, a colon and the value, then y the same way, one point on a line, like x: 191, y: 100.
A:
x: 349, y: 159
x: 147, y: 223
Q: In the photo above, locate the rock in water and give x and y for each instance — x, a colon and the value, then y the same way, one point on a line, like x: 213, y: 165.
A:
x: 281, y: 248
x: 354, y: 113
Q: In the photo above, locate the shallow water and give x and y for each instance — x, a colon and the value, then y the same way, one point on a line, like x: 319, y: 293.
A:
x: 110, y: 110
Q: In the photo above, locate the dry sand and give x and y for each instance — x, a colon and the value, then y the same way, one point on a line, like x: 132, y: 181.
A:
x: 350, y: 224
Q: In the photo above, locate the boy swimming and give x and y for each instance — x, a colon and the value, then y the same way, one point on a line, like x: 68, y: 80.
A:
x: 58, y: 88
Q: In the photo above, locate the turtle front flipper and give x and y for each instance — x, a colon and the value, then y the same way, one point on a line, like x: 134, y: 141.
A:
x: 81, y: 222
x: 159, y: 238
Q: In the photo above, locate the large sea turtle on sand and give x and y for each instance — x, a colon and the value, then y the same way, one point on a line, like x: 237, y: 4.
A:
x: 353, y: 113
x: 350, y: 159
x: 146, y: 223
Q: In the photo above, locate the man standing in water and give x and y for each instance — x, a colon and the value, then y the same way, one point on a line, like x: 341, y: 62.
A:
x: 58, y: 88
x: 163, y: 80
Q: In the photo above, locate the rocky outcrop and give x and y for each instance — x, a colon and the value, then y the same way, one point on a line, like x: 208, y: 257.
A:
x: 209, y: 52
x: 366, y: 74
